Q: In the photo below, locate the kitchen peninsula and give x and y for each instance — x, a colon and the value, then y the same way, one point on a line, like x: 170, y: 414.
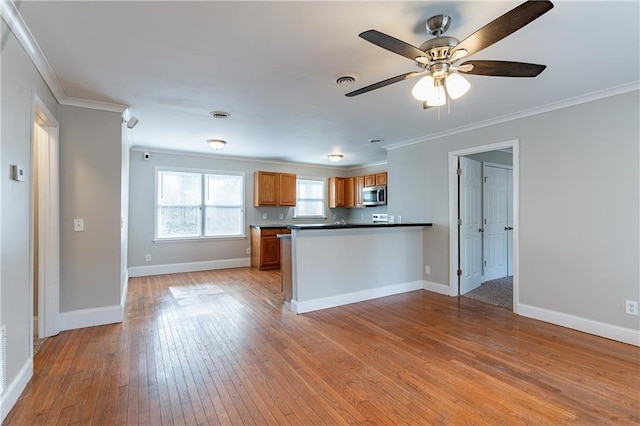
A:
x: 335, y: 264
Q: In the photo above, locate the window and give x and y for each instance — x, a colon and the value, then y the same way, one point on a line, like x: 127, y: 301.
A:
x: 309, y: 198
x: 193, y: 204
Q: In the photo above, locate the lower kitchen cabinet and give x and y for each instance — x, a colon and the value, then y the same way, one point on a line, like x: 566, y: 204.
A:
x: 265, y: 247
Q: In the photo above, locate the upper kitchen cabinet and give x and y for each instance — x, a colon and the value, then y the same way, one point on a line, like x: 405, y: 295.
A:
x: 274, y: 189
x: 358, y: 187
x: 287, y: 193
x: 342, y: 192
x: 375, y: 180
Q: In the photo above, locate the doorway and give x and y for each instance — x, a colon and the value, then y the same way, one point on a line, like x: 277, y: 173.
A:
x: 483, y: 194
x: 45, y: 252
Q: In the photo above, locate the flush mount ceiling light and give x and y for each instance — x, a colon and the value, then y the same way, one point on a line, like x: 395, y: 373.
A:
x: 216, y: 143
x: 438, y: 58
x: 334, y: 158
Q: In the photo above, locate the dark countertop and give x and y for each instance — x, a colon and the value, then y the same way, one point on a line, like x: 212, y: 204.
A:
x: 271, y: 226
x: 355, y: 225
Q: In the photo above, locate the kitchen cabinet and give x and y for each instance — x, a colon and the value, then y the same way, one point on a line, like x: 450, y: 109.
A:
x: 349, y: 192
x: 265, y: 247
x: 359, y: 186
x: 375, y: 179
x: 274, y: 189
x: 336, y: 192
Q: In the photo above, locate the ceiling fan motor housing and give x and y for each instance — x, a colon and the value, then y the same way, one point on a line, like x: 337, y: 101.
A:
x: 438, y: 48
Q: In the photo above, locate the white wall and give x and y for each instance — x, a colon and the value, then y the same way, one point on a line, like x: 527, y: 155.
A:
x: 141, y: 209
x: 579, y: 205
x: 20, y: 81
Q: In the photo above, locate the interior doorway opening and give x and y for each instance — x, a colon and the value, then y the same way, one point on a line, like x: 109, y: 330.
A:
x: 483, y: 193
x: 45, y: 231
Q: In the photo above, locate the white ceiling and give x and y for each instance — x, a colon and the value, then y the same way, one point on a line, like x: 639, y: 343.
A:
x: 272, y: 66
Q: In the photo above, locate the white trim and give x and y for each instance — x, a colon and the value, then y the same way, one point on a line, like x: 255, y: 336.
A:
x: 14, y: 390
x: 566, y: 103
x: 177, y: 268
x: 358, y: 296
x: 92, y: 317
x: 11, y: 15
x: 453, y: 211
x: 614, y: 332
x: 436, y: 287
x: 123, y: 296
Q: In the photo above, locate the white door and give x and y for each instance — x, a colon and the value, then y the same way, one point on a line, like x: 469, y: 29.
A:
x: 509, y: 222
x: 470, y: 213
x: 46, y: 227
x: 495, y: 222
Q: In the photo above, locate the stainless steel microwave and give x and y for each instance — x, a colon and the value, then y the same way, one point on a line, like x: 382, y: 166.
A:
x: 374, y: 195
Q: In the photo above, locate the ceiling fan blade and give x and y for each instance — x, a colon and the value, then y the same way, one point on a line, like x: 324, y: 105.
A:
x: 503, y: 26
x: 392, y: 44
x: 504, y: 68
x: 383, y: 83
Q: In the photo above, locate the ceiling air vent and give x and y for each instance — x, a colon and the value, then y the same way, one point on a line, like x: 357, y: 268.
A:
x: 221, y: 115
x: 346, y: 79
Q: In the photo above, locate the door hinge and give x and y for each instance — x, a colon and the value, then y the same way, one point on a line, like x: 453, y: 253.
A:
x: 459, y: 172
x: 459, y: 272
x: 459, y: 222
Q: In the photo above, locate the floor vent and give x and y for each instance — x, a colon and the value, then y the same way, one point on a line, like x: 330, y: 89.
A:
x: 3, y: 357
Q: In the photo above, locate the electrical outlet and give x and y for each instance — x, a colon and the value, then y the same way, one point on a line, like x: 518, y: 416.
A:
x: 264, y: 216
x: 631, y: 307
x: 335, y: 216
x: 281, y: 216
x: 399, y: 219
x: 427, y: 269
x: 248, y: 250
x: 147, y: 258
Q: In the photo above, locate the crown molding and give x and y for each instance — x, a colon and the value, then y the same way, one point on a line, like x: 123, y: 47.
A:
x: 18, y: 26
x: 589, y: 97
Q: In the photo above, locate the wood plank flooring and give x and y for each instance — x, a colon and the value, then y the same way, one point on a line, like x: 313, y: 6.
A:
x: 220, y: 347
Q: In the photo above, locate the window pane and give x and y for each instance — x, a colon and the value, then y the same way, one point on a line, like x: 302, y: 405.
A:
x: 178, y: 221
x: 223, y: 190
x: 223, y: 221
x: 310, y: 198
x: 179, y: 189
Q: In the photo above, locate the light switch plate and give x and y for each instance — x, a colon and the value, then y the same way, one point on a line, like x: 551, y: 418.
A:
x: 17, y: 173
x: 78, y: 225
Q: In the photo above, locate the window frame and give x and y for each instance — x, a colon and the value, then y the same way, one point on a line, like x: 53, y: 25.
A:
x: 202, y: 207
x: 324, y: 198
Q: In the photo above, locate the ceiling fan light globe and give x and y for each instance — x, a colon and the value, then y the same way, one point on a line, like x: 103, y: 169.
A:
x: 423, y: 88
x: 456, y: 85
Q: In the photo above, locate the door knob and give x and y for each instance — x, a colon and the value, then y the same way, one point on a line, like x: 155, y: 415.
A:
x: 481, y: 230
x: 508, y: 228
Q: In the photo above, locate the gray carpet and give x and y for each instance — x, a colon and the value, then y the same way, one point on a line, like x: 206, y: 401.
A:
x: 497, y: 292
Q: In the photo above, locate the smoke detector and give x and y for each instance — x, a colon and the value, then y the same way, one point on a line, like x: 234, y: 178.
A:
x: 346, y: 78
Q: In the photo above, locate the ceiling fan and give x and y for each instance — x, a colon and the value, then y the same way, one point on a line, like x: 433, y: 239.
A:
x: 438, y: 57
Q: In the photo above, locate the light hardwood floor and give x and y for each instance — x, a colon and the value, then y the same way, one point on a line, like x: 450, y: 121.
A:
x: 220, y: 347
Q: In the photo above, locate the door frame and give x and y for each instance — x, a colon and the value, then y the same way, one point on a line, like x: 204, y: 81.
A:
x: 453, y: 212
x: 48, y: 226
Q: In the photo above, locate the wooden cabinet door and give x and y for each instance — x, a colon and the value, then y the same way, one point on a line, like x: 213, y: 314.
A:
x: 349, y: 192
x: 336, y: 192
x: 370, y: 180
x: 265, y: 189
x: 381, y: 178
x: 269, y: 252
x: 359, y: 186
x: 287, y: 195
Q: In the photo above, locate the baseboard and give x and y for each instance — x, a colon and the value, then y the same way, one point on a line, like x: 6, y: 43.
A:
x: 359, y: 296
x: 14, y: 390
x: 176, y: 268
x: 436, y: 288
x: 613, y: 332
x: 91, y: 317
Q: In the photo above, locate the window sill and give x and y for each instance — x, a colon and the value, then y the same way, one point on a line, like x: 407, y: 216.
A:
x: 199, y: 239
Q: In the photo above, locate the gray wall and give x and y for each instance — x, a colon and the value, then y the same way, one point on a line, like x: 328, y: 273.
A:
x: 579, y: 204
x: 141, y: 208
x: 498, y: 157
x: 20, y: 80
x: 90, y: 188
